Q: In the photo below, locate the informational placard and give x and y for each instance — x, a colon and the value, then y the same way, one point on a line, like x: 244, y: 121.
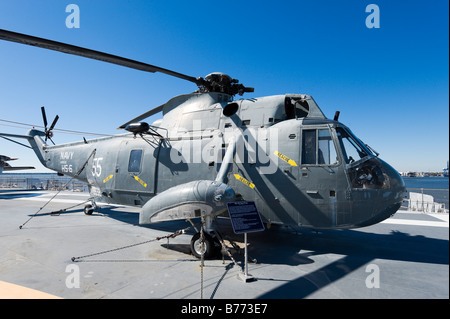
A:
x: 245, y: 217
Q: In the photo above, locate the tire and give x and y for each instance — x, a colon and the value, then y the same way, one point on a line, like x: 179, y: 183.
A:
x: 212, y: 246
x: 88, y: 209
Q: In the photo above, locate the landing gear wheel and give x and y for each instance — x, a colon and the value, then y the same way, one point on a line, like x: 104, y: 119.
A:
x: 89, y: 209
x: 211, y: 246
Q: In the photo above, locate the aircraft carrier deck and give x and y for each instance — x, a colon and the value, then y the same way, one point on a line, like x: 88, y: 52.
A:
x: 406, y: 256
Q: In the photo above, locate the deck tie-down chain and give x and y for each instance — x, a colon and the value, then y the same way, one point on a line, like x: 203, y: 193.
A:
x: 173, y: 235
x: 48, y: 202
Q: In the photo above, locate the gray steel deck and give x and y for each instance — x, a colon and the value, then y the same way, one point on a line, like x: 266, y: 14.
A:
x: 408, y: 255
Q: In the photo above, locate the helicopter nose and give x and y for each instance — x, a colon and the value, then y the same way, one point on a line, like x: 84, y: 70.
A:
x: 394, y: 195
x: 396, y: 182
x: 390, y: 194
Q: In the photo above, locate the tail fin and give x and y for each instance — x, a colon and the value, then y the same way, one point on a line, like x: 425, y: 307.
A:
x: 37, y: 144
x: 34, y: 138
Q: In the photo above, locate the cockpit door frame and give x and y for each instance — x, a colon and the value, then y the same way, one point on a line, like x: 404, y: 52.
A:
x: 325, y: 185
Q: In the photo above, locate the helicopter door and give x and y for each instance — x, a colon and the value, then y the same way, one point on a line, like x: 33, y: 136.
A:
x: 322, y: 178
x: 134, y: 173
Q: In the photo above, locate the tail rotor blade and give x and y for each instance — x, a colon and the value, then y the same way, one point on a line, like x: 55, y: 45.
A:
x: 44, y: 117
x: 54, y: 123
x: 51, y: 140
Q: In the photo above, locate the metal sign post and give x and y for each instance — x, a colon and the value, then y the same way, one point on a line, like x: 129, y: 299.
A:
x: 245, y: 276
x: 245, y: 219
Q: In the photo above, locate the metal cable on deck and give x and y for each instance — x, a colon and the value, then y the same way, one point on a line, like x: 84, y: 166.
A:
x: 48, y: 202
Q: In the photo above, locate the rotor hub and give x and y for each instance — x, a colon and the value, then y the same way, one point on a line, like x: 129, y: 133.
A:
x: 222, y: 83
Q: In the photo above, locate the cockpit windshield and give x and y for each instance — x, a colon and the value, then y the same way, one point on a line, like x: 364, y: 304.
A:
x: 352, y: 148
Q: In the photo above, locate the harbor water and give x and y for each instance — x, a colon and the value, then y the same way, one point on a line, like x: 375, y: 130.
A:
x: 438, y: 187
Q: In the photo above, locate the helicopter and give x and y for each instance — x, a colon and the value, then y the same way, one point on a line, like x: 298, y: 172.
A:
x: 6, y: 167
x: 281, y: 152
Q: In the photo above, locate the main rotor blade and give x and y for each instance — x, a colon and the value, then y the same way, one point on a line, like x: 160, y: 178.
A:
x: 143, y: 116
x: 91, y: 54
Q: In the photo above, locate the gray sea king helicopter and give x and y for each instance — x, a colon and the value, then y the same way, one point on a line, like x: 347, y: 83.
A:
x: 282, y: 152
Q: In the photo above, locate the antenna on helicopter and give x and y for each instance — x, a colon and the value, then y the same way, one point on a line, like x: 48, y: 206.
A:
x: 336, y: 115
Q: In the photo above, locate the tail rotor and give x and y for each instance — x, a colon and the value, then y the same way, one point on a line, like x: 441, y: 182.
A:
x: 48, y: 132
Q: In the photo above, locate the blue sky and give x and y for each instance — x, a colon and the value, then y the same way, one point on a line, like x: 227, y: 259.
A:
x: 390, y: 84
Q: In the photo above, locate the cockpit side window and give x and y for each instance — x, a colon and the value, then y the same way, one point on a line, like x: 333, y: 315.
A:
x: 134, y: 163
x: 318, y: 147
x: 326, y: 151
x: 309, y: 147
x: 351, y: 148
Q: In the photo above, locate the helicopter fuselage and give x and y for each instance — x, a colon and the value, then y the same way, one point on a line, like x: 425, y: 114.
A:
x: 299, y: 167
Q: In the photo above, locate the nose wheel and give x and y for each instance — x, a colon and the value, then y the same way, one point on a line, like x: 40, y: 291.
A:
x: 210, y: 246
